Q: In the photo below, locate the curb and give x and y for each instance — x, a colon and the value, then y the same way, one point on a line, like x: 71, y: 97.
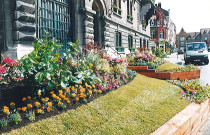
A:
x: 188, y: 121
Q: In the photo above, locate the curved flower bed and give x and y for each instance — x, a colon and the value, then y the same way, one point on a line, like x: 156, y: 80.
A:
x: 58, y: 81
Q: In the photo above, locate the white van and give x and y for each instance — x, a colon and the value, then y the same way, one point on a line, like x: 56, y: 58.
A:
x: 196, y: 52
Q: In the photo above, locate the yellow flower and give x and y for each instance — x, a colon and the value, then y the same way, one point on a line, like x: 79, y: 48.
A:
x: 76, y: 86
x: 49, y: 104
x: 46, y: 98
x: 59, y: 103
x: 28, y: 97
x: 80, y: 82
x: 52, y: 92
x: 53, y: 95
x: 68, y: 101
x: 24, y: 109
x: 12, y: 104
x: 24, y: 99
x: 99, y: 91
x: 6, y: 111
x: 39, y: 93
x: 48, y: 109
x: 93, y: 86
x: 39, y: 111
x: 87, y: 67
x: 36, y: 103
x: 77, y: 99
x: 73, y: 95
x: 42, y: 99
x: 90, y: 92
x: 29, y: 106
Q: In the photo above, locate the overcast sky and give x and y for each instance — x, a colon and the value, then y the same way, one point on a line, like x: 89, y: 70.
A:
x: 192, y: 15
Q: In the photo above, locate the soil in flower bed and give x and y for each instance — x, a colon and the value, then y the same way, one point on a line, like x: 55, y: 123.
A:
x: 56, y: 111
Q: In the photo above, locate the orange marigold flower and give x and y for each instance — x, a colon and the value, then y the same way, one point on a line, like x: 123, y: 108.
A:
x: 19, y: 109
x: 6, y: 111
x: 42, y: 99
x: 80, y: 82
x: 39, y: 93
x: 52, y: 92
x: 99, y: 91
x: 48, y: 109
x: 90, y: 92
x: 12, y: 104
x: 93, y: 86
x: 28, y: 97
x: 53, y: 95
x: 73, y: 95
x: 39, y: 111
x: 29, y: 106
x: 24, y: 109
x: 24, y: 99
x: 68, y: 90
x: 59, y: 103
x: 68, y: 101
x: 76, y: 86
x: 49, y: 104
x: 36, y: 103
x: 46, y: 98
x: 77, y: 99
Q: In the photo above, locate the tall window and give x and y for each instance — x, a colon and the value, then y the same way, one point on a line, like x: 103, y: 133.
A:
x: 140, y: 43
x: 161, y: 35
x: 117, y: 3
x: 118, y: 39
x: 153, y: 34
x: 129, y: 7
x: 53, y: 16
x: 130, y: 41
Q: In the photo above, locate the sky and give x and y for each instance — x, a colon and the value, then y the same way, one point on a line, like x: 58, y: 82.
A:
x: 192, y: 15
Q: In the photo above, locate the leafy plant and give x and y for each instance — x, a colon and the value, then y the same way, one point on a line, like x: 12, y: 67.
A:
x: 44, y: 68
x: 3, y: 122
x: 31, y: 116
x: 15, y: 118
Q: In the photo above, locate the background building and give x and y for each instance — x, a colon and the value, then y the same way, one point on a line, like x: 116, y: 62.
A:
x: 162, y: 29
x: 112, y: 23
x: 182, y: 39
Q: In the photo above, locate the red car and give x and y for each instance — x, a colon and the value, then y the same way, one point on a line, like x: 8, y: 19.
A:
x: 180, y: 51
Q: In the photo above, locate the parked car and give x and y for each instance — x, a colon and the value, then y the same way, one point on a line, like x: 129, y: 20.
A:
x: 196, y: 52
x: 180, y: 51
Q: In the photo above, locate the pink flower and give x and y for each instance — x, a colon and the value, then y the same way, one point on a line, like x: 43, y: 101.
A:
x: 96, y: 84
x: 104, y: 89
x: 110, y: 86
x: 2, y: 69
x: 110, y: 59
x: 99, y: 87
x: 207, y: 84
x: 118, y: 60
x: 1, y: 77
x: 10, y: 62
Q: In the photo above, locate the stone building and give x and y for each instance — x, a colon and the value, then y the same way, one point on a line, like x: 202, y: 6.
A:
x: 205, y: 36
x: 119, y: 25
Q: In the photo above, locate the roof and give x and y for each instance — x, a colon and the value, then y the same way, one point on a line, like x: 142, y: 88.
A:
x: 193, y: 34
x: 165, y: 12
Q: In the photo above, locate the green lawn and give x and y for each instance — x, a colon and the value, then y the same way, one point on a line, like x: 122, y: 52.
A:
x: 140, y: 107
x: 168, y: 66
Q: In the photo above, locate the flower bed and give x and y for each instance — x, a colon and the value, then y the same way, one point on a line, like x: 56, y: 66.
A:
x: 168, y: 71
x: 59, y: 81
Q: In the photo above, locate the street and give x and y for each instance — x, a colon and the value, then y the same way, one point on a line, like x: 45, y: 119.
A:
x: 205, y: 69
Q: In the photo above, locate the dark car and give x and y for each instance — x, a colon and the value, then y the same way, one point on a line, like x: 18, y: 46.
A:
x: 180, y: 51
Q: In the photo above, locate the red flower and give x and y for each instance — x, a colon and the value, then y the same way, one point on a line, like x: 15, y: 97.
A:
x: 2, y: 69
x: 10, y: 62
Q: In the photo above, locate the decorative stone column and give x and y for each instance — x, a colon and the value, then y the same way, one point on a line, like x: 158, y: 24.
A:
x: 88, y: 25
x: 24, y: 26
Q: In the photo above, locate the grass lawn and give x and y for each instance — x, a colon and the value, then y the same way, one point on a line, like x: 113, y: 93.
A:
x: 140, y: 107
x: 168, y: 66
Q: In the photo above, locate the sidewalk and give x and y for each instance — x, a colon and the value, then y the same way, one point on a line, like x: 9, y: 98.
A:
x: 205, y: 130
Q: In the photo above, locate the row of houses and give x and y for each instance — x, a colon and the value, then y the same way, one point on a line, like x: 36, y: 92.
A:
x: 120, y: 26
x: 183, y: 37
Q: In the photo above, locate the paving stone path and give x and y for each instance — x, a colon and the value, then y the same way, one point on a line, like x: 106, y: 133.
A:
x: 205, y: 130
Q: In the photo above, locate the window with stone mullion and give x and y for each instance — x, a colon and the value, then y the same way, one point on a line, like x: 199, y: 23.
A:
x: 130, y: 41
x: 118, y: 39
x: 117, y: 3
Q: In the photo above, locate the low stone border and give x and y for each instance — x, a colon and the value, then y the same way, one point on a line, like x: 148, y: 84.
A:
x: 188, y: 121
x: 194, y: 74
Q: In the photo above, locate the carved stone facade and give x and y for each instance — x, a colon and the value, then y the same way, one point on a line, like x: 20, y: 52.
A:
x: 96, y: 20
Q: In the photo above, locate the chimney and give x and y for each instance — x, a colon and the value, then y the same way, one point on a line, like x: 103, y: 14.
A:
x: 159, y: 4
